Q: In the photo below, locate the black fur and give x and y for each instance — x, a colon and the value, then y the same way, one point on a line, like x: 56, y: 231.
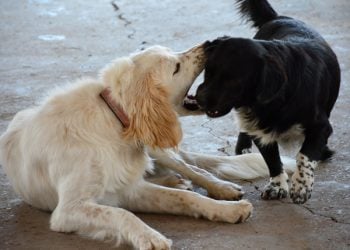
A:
x: 286, y: 75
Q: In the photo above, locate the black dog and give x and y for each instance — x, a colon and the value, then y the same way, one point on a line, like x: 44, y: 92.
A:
x: 283, y: 83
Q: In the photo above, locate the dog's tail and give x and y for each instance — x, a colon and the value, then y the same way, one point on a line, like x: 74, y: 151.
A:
x: 238, y: 167
x: 257, y: 11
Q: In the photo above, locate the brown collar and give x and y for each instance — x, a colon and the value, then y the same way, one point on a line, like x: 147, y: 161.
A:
x: 115, y: 107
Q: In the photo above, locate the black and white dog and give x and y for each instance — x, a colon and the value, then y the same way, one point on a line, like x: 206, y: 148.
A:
x: 283, y: 85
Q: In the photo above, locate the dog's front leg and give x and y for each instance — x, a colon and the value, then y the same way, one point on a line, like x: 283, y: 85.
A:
x: 313, y: 150
x: 217, y: 188
x: 152, y: 198
x: 104, y: 222
x: 278, y: 185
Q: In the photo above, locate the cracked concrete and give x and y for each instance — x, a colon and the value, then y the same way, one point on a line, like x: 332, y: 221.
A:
x: 49, y: 42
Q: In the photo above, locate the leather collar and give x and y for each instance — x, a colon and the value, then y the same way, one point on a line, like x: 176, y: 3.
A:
x: 115, y: 107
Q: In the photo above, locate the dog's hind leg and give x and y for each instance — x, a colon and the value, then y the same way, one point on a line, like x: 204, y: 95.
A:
x: 244, y: 144
x: 148, y: 197
x: 217, y: 188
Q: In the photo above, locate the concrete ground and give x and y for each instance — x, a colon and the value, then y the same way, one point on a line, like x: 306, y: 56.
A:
x: 45, y: 43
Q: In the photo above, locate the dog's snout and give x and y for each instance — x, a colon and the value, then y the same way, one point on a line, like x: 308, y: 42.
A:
x: 197, y: 53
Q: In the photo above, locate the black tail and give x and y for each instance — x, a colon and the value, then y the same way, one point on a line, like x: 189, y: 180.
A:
x: 257, y: 11
x: 327, y: 154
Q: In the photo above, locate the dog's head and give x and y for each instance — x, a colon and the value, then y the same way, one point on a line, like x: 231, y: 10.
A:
x: 150, y: 87
x: 238, y: 72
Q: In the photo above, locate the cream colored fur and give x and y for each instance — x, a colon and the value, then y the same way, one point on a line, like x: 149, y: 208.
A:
x: 70, y: 155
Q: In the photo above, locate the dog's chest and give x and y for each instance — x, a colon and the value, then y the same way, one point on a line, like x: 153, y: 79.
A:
x: 250, y: 124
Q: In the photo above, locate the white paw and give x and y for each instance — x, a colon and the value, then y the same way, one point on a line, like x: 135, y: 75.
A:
x: 232, y: 211
x: 225, y: 190
x: 152, y: 240
x: 277, y: 188
x: 246, y: 151
x: 176, y: 181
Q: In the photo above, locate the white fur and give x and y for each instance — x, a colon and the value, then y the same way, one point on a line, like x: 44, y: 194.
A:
x: 69, y: 156
x: 291, y: 136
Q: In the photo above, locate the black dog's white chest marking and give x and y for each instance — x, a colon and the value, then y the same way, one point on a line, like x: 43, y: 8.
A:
x: 295, y: 134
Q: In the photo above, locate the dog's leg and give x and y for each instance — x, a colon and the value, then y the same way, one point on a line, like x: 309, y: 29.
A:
x: 78, y: 212
x: 244, y: 144
x: 232, y: 168
x: 104, y: 222
x: 153, y: 198
x: 278, y: 185
x: 218, y: 189
x: 314, y: 149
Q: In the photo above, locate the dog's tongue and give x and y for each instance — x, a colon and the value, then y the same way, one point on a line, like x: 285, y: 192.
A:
x: 190, y: 103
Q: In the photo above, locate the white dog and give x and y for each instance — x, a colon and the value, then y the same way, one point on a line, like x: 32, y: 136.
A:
x: 71, y: 155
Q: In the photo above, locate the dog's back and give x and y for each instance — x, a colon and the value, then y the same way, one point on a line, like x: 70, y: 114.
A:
x: 273, y: 26
x: 301, y: 45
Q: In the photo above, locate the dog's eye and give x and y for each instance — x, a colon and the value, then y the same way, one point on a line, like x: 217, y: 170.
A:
x: 177, y: 69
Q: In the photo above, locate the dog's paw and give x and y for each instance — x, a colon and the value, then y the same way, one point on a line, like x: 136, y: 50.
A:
x: 152, y: 240
x: 246, y: 151
x: 225, y: 190
x: 172, y: 181
x: 176, y: 181
x: 232, y: 211
x: 277, y: 188
x: 190, y: 103
x: 303, y: 180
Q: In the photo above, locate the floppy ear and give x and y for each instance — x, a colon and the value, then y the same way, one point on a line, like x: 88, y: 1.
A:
x: 152, y: 119
x: 210, y: 46
x: 273, y: 81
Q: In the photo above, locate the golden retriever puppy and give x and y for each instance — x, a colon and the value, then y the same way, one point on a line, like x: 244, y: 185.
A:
x: 82, y: 152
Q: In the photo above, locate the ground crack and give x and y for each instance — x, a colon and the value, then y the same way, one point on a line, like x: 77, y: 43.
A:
x: 325, y: 216
x: 210, y: 131
x: 122, y: 17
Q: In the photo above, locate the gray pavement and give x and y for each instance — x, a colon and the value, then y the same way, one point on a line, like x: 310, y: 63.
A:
x: 45, y: 43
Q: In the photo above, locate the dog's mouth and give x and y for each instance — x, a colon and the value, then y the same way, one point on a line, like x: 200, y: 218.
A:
x: 190, y: 103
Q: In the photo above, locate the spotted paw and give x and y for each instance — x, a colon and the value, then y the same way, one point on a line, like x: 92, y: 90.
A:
x: 302, y: 180
x: 277, y: 188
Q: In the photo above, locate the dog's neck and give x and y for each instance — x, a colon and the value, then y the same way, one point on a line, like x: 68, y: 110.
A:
x: 115, y: 107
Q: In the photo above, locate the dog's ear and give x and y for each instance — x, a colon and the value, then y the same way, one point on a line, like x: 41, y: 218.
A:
x: 273, y: 81
x: 152, y: 118
x: 210, y: 46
